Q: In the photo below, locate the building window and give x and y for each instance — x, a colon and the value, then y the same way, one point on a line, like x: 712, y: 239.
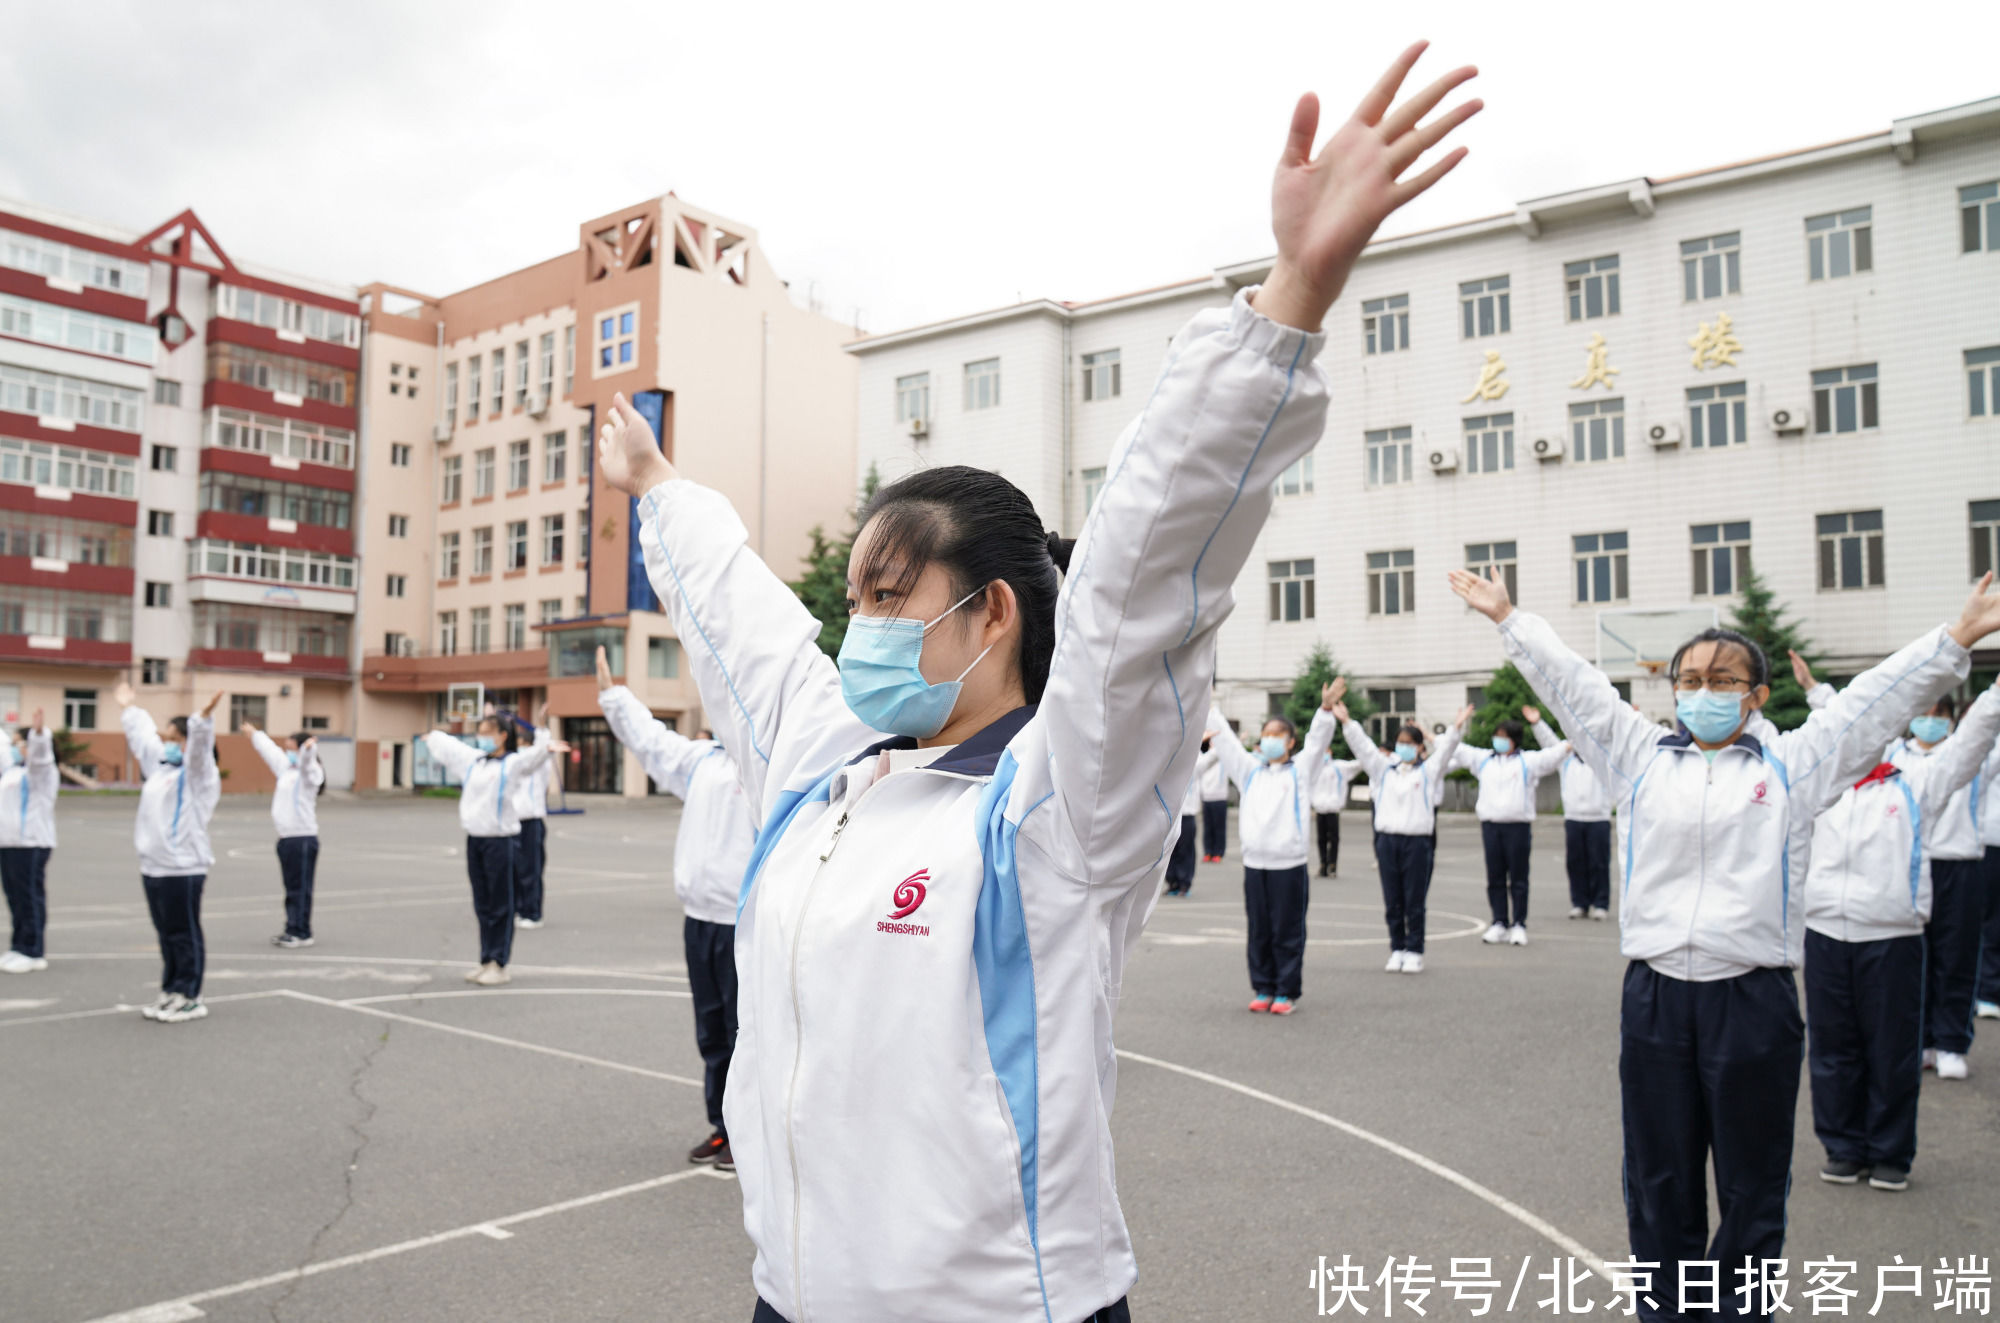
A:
x: 1385, y: 324
x: 663, y: 659
x: 253, y: 708
x: 514, y: 623
x: 499, y: 381
x: 159, y: 594
x: 449, y: 479
x: 617, y: 340
x: 1102, y: 379
x: 1482, y: 307
x: 1710, y: 267
x: 279, y: 373
x: 547, y: 362
x: 153, y: 670
x: 481, y: 633
x: 1482, y: 556
x: 1591, y: 287
x: 569, y: 358
x: 58, y: 395
x: 395, y: 645
x: 160, y: 523
x: 1839, y: 244
x: 1489, y: 443
x: 447, y: 633
x: 982, y: 384
x: 47, y: 257
x: 80, y: 709
x: 521, y: 375
x: 583, y: 608
x: 451, y: 390
x: 472, y: 388
x: 1985, y: 528
x: 555, y: 457
x: 396, y: 585
x: 1600, y: 567
x: 166, y: 392
x: 1844, y: 399
x: 1394, y: 709
x: 1718, y: 415
x: 1093, y: 487
x: 517, y: 544
x: 913, y: 397
x: 1982, y: 382
x: 482, y: 473
x: 165, y: 458
x: 1597, y: 431
x: 399, y: 525
x: 1298, y: 479
x: 447, y: 555
x: 1721, y: 558
x: 482, y: 552
x: 1292, y: 590
x: 37, y: 464
x: 552, y: 539
x: 1388, y: 456
x: 1392, y: 583
x: 520, y: 459
x: 399, y: 456
x: 551, y: 609
x: 583, y: 541
x: 1979, y: 217
x: 1850, y: 550
x: 71, y: 328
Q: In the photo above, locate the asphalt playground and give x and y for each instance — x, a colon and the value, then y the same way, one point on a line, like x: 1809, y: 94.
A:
x: 353, y: 1135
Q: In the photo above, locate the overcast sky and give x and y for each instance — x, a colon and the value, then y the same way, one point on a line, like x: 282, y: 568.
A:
x: 910, y: 162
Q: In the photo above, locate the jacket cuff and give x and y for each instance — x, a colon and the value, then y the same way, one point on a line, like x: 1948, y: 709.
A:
x: 1259, y: 334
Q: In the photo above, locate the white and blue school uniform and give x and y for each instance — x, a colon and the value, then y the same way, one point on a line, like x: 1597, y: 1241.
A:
x: 1214, y: 801
x: 1506, y: 812
x: 531, y: 845
x: 1868, y: 903
x: 295, y: 813
x: 932, y: 944
x: 1274, y: 813
x: 1404, y: 800
x: 718, y: 830
x: 488, y: 809
x: 176, y: 800
x: 1717, y: 849
x: 1586, y: 827
x: 27, y: 838
x: 1181, y: 860
x: 1332, y: 778
x: 1989, y: 873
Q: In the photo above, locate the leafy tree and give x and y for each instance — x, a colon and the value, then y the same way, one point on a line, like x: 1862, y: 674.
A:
x: 70, y: 749
x: 1760, y: 616
x: 1506, y: 694
x: 823, y: 586
x: 1319, y: 671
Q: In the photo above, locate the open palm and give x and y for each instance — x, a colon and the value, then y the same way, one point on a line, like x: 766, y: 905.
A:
x: 628, y: 454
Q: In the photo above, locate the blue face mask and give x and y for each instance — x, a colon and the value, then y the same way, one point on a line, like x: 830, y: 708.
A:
x: 292, y: 758
x: 1272, y: 747
x: 1406, y: 753
x: 1710, y: 717
x: 1501, y: 744
x: 483, y: 743
x: 1930, y: 729
x: 882, y: 682
x: 171, y: 755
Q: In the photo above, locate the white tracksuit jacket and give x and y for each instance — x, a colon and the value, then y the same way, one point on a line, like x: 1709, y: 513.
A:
x: 718, y: 826
x: 487, y: 801
x: 531, y: 789
x: 1191, y: 801
x: 1953, y: 833
x: 1870, y: 877
x: 175, y: 803
x: 1584, y: 799
x: 1274, y: 805
x: 1210, y: 779
x: 295, y: 803
x: 1716, y: 854
x: 28, y: 795
x: 1507, y: 781
x: 1405, y: 795
x: 1332, y: 778
x: 1989, y: 800
x: 930, y: 957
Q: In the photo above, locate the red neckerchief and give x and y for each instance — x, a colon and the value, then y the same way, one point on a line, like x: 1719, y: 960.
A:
x: 1882, y: 772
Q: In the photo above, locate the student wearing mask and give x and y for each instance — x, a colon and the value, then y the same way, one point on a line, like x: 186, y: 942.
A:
x: 964, y: 825
x: 1718, y: 846
x: 178, y: 796
x: 27, y: 838
x: 1331, y: 779
x: 1868, y: 902
x: 1507, y: 779
x: 531, y: 847
x: 1214, y: 785
x: 1180, y: 863
x: 711, y: 850
x: 1405, y: 788
x: 1273, y: 812
x: 1586, y: 824
x: 488, y: 808
x: 295, y: 812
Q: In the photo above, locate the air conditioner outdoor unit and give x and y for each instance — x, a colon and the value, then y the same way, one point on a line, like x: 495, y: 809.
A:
x: 1664, y: 434
x: 919, y: 428
x: 440, y: 432
x: 1548, y: 449
x: 538, y: 406
x: 1443, y: 460
x: 1786, y: 420
x: 406, y: 647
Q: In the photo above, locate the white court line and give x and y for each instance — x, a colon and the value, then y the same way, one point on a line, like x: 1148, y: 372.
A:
x: 1217, y: 936
x: 184, y: 1308
x: 489, y: 1038
x: 1541, y: 1227
x: 122, y: 1009
x: 579, y: 971
x: 517, y: 992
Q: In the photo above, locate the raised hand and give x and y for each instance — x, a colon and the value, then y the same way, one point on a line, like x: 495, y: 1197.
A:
x: 123, y: 693
x: 1464, y: 715
x: 1339, y: 710
x: 1800, y: 670
x: 558, y: 746
x: 246, y: 729
x: 1981, y: 615
x: 38, y: 725
x: 208, y: 708
x: 542, y: 714
x: 1325, y: 208
x: 1485, y: 594
x: 603, y: 670
x: 312, y: 742
x: 1333, y: 693
x: 1532, y: 715
x: 628, y: 454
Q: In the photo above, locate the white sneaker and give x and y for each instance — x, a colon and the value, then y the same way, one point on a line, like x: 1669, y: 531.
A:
x: 169, y: 1001
x: 1577, y: 911
x: 493, y: 976
x: 1517, y: 935
x: 528, y: 923
x: 288, y: 942
x: 1413, y: 962
x: 1395, y: 965
x: 473, y: 977
x: 1495, y: 935
x: 1599, y: 913
x: 1986, y: 1010
x: 16, y: 963
x: 1930, y: 1058
x: 187, y: 1010
x: 1950, y: 1066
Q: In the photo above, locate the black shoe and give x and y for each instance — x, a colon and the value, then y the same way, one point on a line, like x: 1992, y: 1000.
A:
x: 710, y: 1149
x: 1890, y: 1178
x: 723, y: 1160
x: 1842, y: 1173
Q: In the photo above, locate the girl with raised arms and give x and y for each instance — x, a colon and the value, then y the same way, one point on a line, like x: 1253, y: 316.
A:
x: 1405, y: 789
x: 963, y: 825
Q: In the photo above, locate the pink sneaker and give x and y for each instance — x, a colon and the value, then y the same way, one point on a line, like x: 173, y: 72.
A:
x: 1260, y: 1003
x: 1282, y: 1006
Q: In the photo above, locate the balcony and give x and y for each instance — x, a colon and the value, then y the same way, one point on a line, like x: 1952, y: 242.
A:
x: 65, y: 627
x: 249, y: 335
x: 281, y: 449
x: 247, y: 574
x: 431, y: 672
x: 232, y: 637
x: 245, y: 508
x: 49, y: 551
x: 59, y: 409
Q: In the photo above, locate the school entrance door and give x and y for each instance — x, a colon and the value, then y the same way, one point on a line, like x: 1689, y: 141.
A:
x: 601, y: 760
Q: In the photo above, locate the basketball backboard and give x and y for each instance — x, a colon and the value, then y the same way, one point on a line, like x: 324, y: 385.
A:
x: 465, y: 702
x: 1637, y: 642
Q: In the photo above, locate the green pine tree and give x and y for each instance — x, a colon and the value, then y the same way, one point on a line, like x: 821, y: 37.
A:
x: 823, y: 586
x: 1319, y: 672
x: 1506, y: 694
x: 1761, y: 617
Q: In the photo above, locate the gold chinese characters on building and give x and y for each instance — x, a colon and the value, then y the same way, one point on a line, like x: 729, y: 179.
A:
x: 1715, y: 345
x: 1492, y: 382
x: 1598, y: 371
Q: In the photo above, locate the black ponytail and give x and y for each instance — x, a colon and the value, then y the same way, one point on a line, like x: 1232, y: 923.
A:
x: 981, y: 528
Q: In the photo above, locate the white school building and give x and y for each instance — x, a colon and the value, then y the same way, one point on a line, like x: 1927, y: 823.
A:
x: 1622, y: 395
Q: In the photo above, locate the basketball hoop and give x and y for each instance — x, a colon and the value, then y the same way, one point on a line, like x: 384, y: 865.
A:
x: 465, y: 702
x: 1650, y: 666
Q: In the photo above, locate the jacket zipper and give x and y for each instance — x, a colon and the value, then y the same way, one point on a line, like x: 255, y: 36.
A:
x: 798, y: 1044
x: 1701, y: 868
